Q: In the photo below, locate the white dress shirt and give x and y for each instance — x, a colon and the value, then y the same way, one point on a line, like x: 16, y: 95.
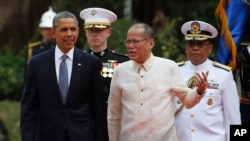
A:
x: 141, y: 102
x: 211, y: 118
x: 69, y: 61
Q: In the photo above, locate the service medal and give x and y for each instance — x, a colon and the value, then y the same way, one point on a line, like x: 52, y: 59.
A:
x: 210, y: 101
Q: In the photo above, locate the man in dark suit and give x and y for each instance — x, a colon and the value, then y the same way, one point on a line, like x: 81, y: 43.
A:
x: 74, y: 113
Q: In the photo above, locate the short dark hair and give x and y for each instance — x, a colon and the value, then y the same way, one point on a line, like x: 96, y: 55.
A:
x: 63, y: 14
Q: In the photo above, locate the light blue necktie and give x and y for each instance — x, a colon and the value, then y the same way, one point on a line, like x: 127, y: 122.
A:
x: 63, y: 78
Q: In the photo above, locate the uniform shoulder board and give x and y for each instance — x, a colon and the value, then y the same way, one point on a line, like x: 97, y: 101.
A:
x: 181, y: 63
x: 119, y: 53
x: 219, y: 65
x: 244, y: 44
x: 33, y: 44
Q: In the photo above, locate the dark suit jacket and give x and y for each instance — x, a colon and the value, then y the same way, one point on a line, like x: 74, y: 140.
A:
x: 43, y: 115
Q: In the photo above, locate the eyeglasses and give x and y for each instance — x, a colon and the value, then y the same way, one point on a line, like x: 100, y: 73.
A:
x: 198, y: 44
x: 133, y: 42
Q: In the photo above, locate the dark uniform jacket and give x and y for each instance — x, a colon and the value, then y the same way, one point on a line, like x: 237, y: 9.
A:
x: 35, y: 48
x: 244, y: 72
x: 242, y: 76
x: 109, y: 60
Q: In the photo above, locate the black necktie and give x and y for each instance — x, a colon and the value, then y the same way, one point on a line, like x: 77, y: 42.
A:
x: 63, y: 77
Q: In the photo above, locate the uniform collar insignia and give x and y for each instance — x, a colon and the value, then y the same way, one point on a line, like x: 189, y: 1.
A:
x: 102, y: 53
x: 99, y: 54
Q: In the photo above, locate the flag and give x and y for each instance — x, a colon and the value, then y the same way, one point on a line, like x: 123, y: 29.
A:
x: 233, y: 15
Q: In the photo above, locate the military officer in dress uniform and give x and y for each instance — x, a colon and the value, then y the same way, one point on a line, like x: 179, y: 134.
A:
x: 242, y: 76
x: 97, y: 24
x: 47, y: 42
x: 210, y: 119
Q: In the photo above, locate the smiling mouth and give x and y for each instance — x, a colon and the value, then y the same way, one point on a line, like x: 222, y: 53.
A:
x: 69, y: 40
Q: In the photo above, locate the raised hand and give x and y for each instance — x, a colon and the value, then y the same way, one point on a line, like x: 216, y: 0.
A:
x: 201, y: 81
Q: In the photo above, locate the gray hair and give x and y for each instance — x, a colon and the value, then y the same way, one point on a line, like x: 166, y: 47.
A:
x: 63, y: 14
x: 148, y: 31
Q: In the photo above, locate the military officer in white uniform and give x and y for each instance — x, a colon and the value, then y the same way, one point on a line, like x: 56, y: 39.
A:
x: 209, y: 120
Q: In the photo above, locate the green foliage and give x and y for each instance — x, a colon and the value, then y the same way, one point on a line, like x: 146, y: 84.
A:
x: 119, y: 34
x: 11, y: 73
x: 168, y: 45
x: 10, y: 116
x: 169, y: 39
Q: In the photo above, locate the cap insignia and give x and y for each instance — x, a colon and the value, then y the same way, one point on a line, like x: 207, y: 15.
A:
x: 195, y: 27
x: 93, y: 12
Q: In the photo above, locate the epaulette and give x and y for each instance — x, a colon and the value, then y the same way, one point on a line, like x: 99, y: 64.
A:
x: 119, y: 53
x: 219, y: 65
x: 30, y: 48
x: 33, y: 44
x: 181, y: 63
x: 244, y: 44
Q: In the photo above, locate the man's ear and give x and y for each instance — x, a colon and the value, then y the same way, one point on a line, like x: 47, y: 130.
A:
x: 211, y: 49
x: 110, y: 31
x: 152, y: 43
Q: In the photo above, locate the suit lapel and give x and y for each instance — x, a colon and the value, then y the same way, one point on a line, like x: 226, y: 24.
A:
x: 51, y: 68
x: 77, y: 65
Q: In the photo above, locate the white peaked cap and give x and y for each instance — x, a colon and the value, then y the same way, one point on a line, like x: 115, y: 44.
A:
x: 97, y: 17
x: 198, y: 30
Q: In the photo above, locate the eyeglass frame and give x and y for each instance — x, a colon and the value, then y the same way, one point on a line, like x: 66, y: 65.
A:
x: 133, y: 42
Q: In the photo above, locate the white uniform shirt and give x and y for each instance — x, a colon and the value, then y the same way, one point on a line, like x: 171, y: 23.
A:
x: 141, y: 102
x: 210, y: 119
